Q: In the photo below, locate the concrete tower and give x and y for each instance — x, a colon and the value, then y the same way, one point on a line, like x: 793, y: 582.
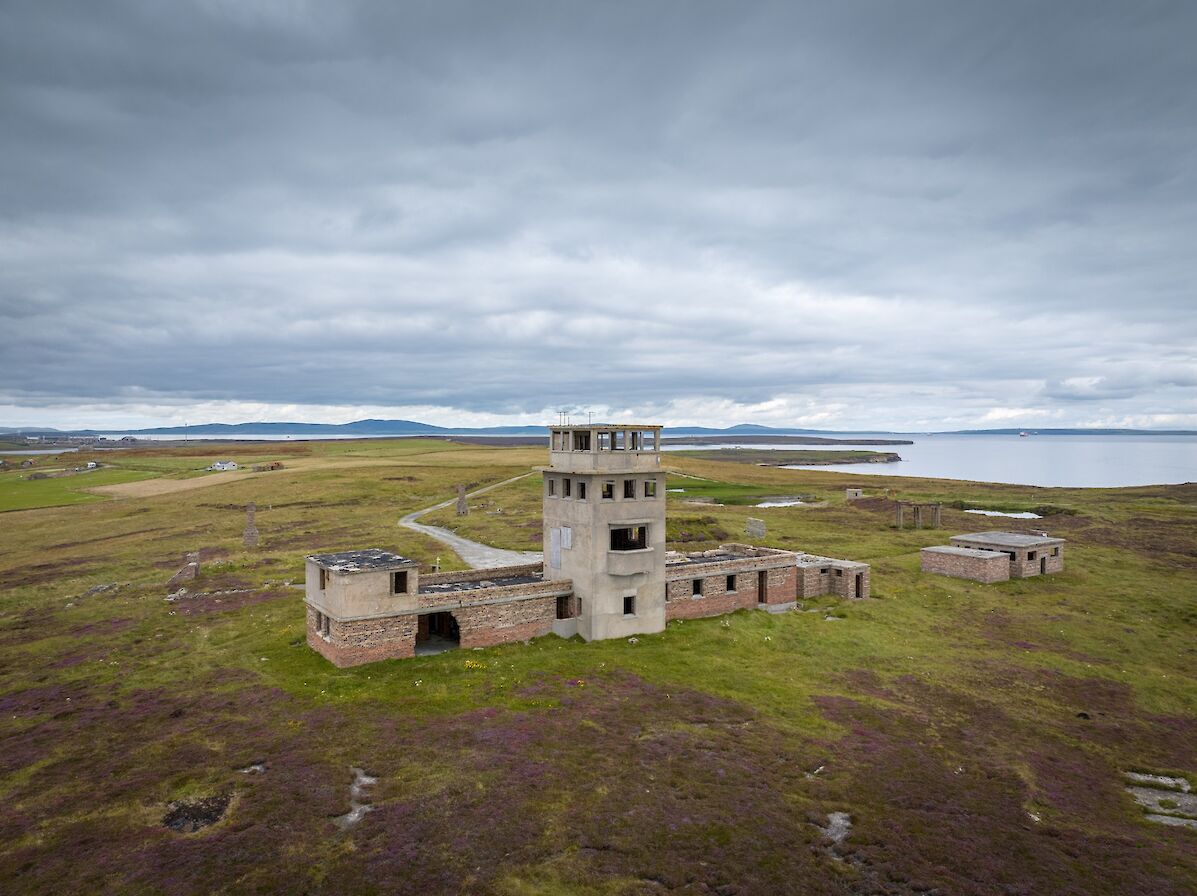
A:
x: 604, y: 526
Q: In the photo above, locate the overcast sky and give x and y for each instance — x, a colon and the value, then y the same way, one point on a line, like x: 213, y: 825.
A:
x: 897, y: 215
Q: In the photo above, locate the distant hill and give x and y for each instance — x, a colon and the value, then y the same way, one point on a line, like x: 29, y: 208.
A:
x: 374, y: 427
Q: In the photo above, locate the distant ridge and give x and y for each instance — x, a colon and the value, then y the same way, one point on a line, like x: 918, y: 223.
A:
x: 373, y: 427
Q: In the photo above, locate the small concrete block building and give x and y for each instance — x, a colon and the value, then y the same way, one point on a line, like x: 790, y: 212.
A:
x: 1030, y: 555
x: 605, y: 572
x: 966, y: 563
x: 995, y: 556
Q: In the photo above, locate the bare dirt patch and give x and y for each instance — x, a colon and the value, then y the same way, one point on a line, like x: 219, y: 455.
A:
x: 189, y: 816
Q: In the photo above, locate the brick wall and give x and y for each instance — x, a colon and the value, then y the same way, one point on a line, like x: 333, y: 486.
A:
x: 450, y: 600
x: 506, y: 622
x: 364, y: 640
x: 843, y: 581
x: 715, y: 599
x: 813, y: 582
x: 987, y: 570
x: 1023, y: 568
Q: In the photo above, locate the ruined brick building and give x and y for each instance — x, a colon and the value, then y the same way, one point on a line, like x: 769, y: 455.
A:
x: 606, y: 572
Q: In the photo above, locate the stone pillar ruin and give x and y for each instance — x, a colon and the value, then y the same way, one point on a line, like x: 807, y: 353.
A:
x: 250, y: 537
x: 936, y: 509
x: 463, y: 506
x: 918, y: 516
x: 900, y: 510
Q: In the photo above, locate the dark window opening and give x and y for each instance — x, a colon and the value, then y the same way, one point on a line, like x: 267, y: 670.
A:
x: 552, y: 487
x: 399, y: 583
x: 629, y: 488
x: 1030, y: 555
x: 631, y: 538
x: 629, y: 605
x: 565, y: 606
x: 581, y: 490
x: 609, y: 490
x: 824, y: 571
x: 731, y: 583
x: 650, y: 488
x: 696, y: 587
x: 323, y: 579
x: 581, y: 441
x: 840, y: 573
x: 1055, y: 552
x: 667, y: 594
x: 566, y: 488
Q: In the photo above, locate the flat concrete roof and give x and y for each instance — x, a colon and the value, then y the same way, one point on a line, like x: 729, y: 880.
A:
x: 499, y: 582
x: 1008, y: 539
x: 978, y: 553
x: 815, y: 560
x: 368, y: 560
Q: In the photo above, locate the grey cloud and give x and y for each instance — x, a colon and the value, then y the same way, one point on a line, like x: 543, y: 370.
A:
x: 506, y: 207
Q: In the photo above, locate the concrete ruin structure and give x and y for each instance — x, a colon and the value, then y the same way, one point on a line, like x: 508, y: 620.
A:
x: 606, y: 572
x: 995, y: 556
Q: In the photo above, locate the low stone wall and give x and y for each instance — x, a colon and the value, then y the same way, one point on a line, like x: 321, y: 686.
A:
x: 364, y: 640
x: 986, y: 567
x: 504, y: 623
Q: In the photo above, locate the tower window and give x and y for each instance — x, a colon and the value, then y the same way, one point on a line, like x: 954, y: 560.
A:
x: 566, y: 485
x: 629, y: 605
x: 629, y: 488
x: 696, y: 587
x: 581, y: 490
x: 551, y: 484
x: 650, y: 488
x: 399, y: 582
x: 731, y: 583
x: 323, y: 579
x: 631, y: 538
x: 609, y: 489
x: 581, y: 441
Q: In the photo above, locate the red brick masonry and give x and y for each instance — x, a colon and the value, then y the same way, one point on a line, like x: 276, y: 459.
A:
x: 966, y: 563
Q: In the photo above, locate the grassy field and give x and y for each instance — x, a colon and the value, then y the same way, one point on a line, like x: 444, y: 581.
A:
x: 975, y: 734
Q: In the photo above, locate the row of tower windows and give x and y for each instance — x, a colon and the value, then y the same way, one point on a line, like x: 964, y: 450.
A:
x: 576, y: 488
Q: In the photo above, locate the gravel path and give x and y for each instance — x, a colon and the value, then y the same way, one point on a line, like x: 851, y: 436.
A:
x: 476, y: 554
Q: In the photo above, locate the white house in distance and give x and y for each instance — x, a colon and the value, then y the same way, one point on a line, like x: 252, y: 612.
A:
x: 224, y: 465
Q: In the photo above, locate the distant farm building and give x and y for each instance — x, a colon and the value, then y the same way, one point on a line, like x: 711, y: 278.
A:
x: 223, y: 465
x: 605, y: 574
x: 272, y: 465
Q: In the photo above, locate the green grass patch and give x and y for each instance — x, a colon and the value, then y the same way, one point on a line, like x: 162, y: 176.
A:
x: 18, y: 492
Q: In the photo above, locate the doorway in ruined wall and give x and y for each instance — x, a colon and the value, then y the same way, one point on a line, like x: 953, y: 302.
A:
x: 859, y: 586
x: 762, y: 587
x: 437, y: 633
x: 1043, y: 565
